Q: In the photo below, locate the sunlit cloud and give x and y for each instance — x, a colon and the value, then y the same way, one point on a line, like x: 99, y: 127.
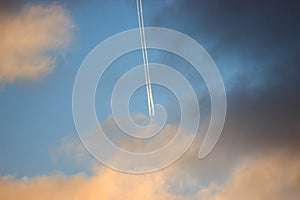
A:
x: 272, y: 176
x: 30, y: 41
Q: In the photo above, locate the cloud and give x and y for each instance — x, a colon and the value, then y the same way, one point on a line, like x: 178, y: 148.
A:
x: 72, y: 151
x: 239, y: 166
x: 261, y: 54
x: 9, y: 5
x: 259, y: 64
x: 31, y: 39
x: 272, y: 176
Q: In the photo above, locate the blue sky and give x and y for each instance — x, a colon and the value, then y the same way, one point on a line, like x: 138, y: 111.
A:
x: 255, y: 44
x: 38, y: 114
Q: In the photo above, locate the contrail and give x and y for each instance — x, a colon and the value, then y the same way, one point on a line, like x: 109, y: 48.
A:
x: 145, y: 57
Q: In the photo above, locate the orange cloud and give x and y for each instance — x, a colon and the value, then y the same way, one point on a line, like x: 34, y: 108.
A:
x: 275, y: 176
x: 106, y: 185
x: 30, y: 40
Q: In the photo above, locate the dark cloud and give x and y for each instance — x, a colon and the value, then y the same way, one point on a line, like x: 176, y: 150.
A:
x: 255, y: 36
x: 10, y: 4
x: 257, y: 42
x: 11, y: 7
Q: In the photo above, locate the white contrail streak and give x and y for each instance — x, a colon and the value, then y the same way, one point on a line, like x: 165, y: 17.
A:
x: 145, y: 57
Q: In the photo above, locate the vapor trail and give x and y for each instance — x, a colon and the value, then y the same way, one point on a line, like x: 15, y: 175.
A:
x: 145, y: 57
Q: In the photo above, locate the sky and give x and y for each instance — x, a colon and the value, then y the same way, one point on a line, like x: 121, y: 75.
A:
x: 255, y: 45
